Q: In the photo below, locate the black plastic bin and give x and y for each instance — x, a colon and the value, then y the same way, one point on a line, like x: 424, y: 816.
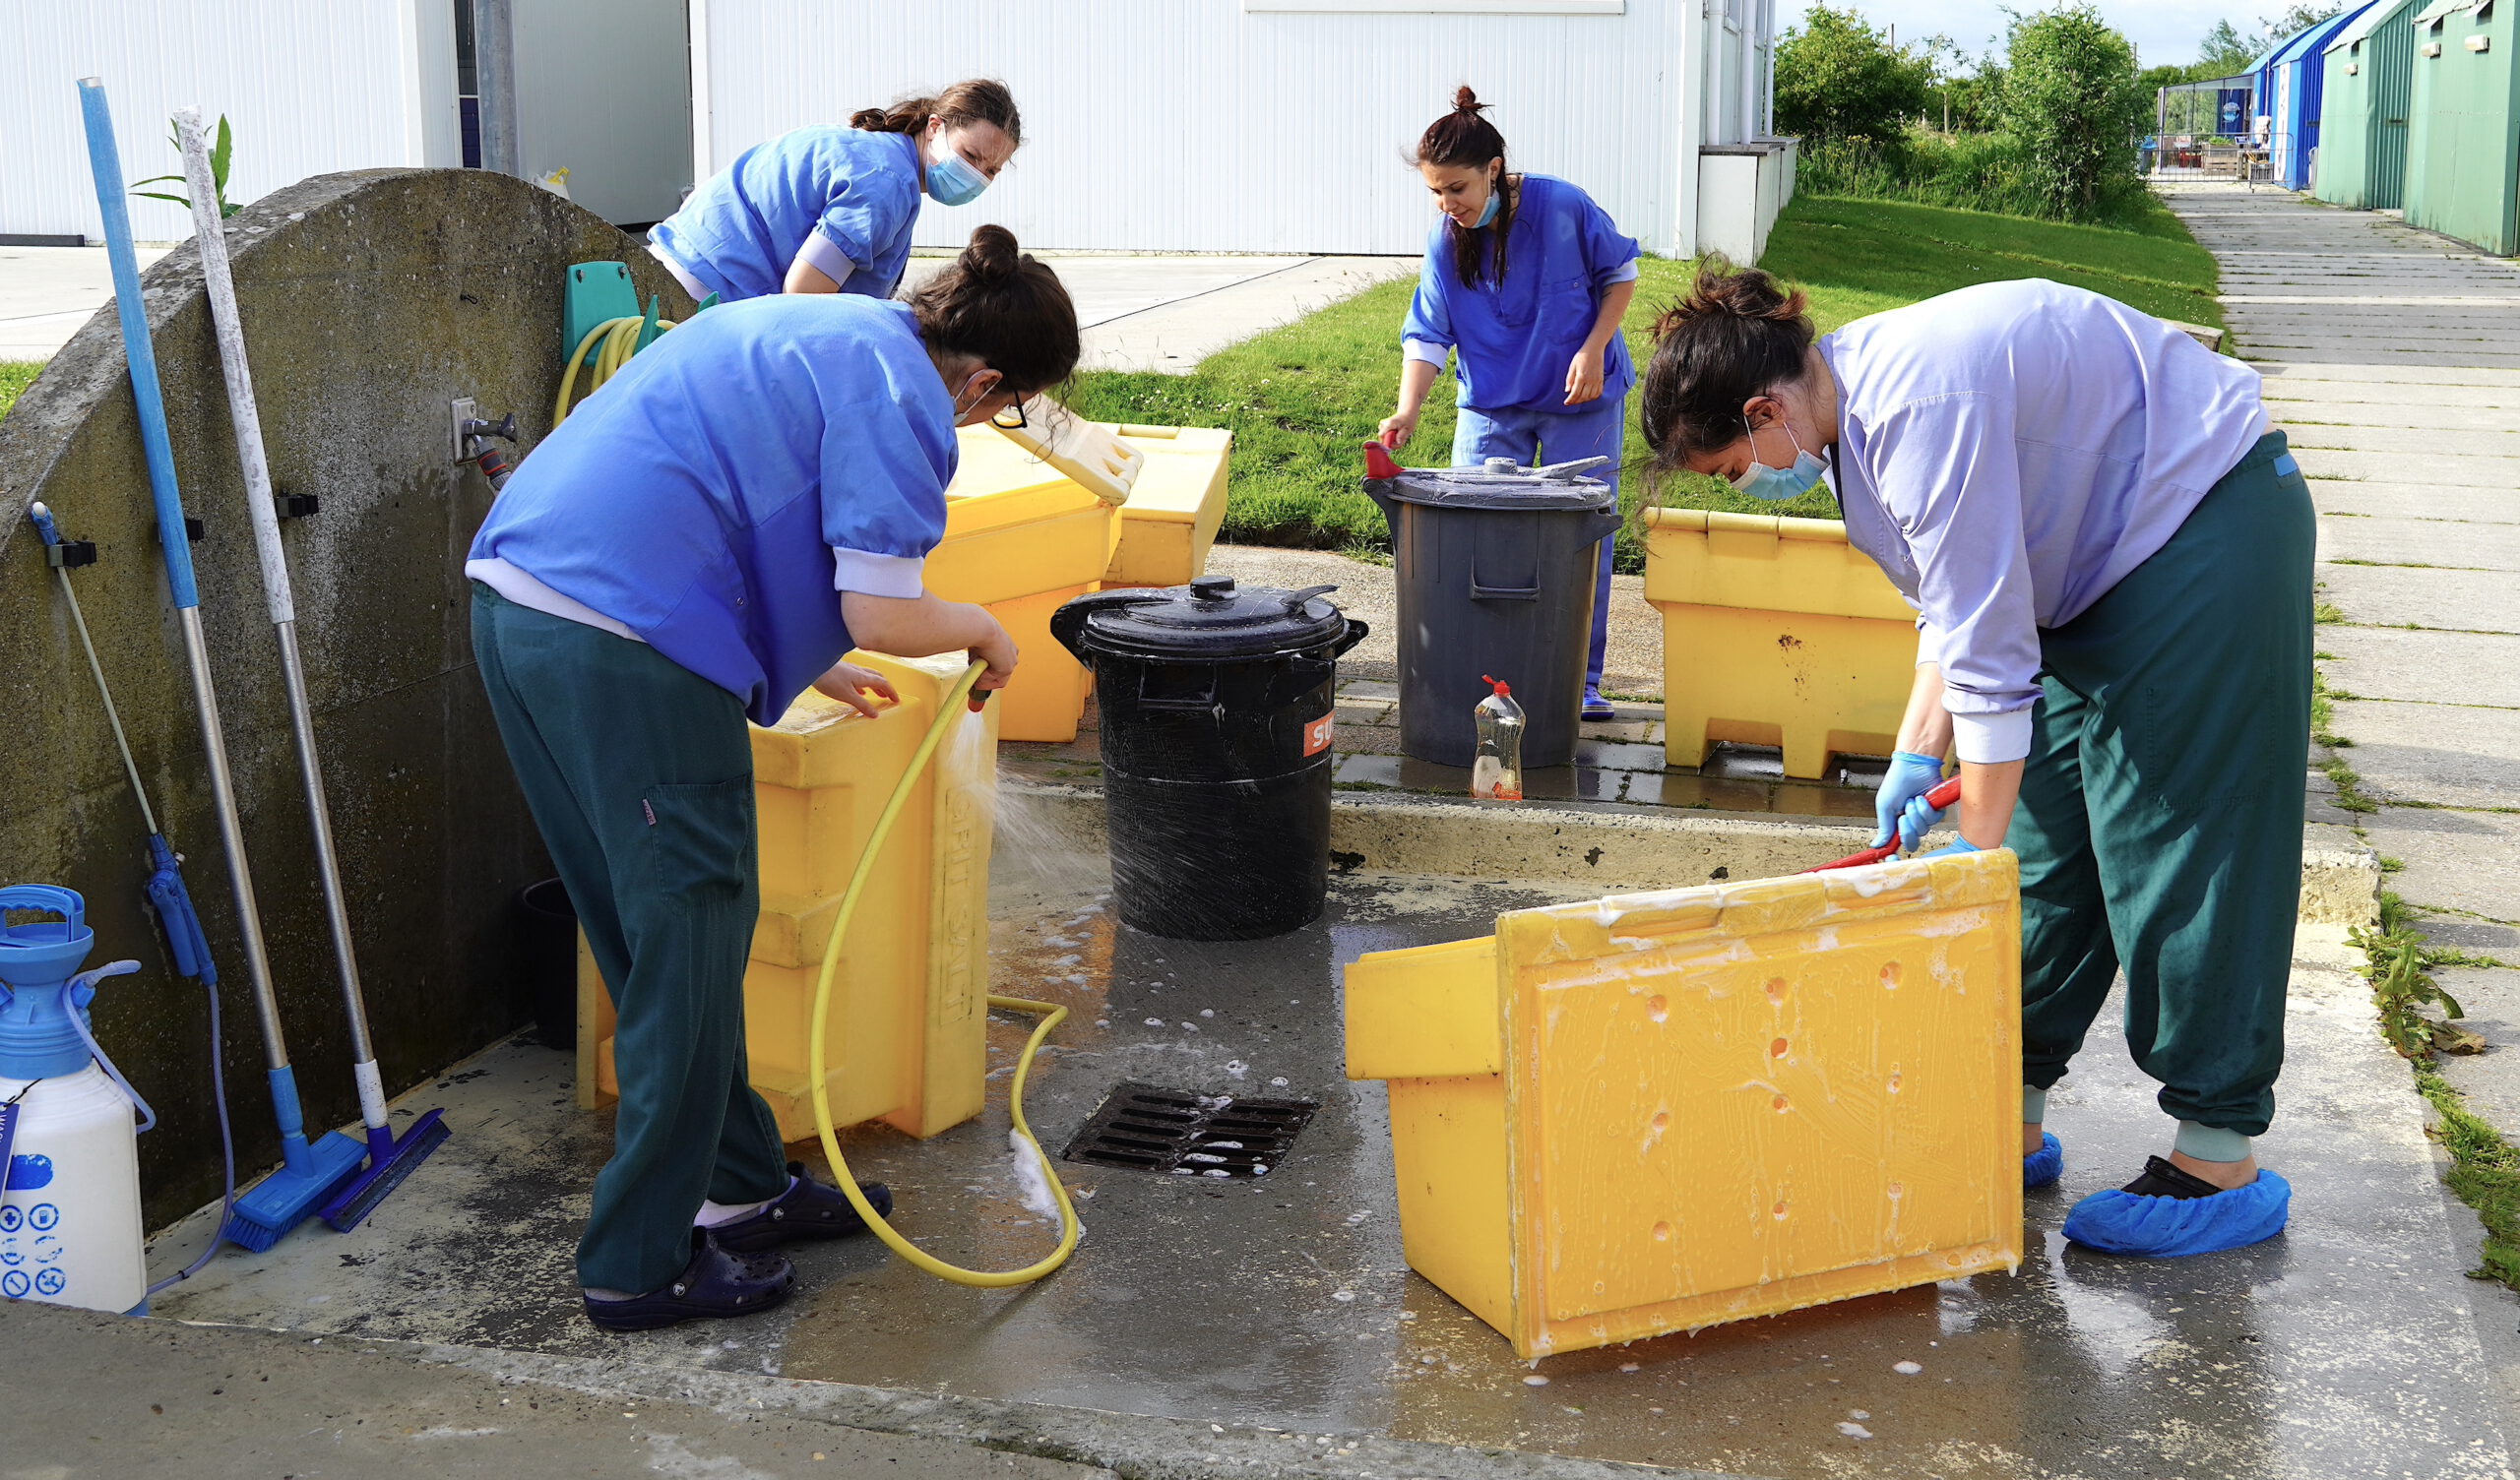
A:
x: 1494, y: 569
x: 1216, y: 707
x: 546, y: 962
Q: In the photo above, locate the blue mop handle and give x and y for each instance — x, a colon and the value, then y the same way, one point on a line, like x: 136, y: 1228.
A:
x: 106, y: 162
x: 293, y: 1150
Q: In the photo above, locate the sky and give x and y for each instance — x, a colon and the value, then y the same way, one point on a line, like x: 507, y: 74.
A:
x: 2163, y: 32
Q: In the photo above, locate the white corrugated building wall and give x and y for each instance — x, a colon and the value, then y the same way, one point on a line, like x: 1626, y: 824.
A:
x: 1267, y: 125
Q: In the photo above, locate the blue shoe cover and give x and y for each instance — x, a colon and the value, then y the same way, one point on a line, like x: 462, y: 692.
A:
x: 2044, y: 1166
x: 2124, y: 1223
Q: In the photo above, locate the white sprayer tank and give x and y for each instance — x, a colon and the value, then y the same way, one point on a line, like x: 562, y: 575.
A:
x: 70, y: 1219
x: 70, y: 1230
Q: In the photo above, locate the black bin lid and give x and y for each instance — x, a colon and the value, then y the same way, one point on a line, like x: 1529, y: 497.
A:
x: 1504, y: 484
x: 1211, y: 621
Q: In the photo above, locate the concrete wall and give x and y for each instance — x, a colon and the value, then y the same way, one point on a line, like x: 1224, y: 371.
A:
x: 371, y: 299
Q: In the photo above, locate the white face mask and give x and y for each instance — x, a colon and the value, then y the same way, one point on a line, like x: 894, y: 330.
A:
x: 966, y: 404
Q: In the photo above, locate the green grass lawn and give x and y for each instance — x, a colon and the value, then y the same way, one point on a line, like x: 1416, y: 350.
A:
x: 15, y: 377
x: 1302, y: 400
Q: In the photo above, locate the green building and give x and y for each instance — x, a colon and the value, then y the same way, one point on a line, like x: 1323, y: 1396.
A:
x: 2362, y: 138
x: 2463, y: 128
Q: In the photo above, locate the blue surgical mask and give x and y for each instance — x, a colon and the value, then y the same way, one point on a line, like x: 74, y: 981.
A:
x: 1495, y: 202
x: 1777, y: 484
x: 952, y: 181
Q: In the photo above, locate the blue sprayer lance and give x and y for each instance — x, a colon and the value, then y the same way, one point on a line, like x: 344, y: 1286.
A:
x: 308, y: 1174
x: 389, y: 1160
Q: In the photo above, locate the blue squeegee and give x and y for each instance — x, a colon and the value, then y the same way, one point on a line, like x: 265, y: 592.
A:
x: 308, y: 1174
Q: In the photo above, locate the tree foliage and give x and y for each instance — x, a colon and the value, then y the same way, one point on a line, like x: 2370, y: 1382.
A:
x: 1836, y: 77
x: 2072, y: 98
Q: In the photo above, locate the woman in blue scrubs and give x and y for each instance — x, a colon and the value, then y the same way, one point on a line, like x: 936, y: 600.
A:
x: 2109, y: 553
x: 1526, y: 280
x: 750, y: 499
x: 829, y: 210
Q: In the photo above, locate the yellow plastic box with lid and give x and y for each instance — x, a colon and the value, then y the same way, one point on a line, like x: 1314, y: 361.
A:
x: 1659, y: 1112
x: 1775, y: 631
x: 1022, y: 539
x: 1169, y: 522
x: 910, y: 1012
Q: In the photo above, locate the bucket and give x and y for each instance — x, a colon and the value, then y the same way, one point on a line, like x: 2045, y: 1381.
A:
x: 1495, y: 568
x: 1216, y: 720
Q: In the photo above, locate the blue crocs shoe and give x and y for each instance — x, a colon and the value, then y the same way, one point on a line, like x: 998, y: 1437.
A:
x: 1596, y: 707
x: 2166, y: 1213
x: 2041, y: 1168
x: 715, y: 1285
x: 807, y: 1209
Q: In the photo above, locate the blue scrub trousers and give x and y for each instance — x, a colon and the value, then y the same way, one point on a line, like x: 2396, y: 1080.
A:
x: 1597, y: 430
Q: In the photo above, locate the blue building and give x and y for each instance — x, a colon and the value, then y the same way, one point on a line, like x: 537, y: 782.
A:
x: 2289, y: 83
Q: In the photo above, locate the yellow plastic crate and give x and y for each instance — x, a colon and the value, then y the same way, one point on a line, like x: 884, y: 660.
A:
x: 910, y: 1012
x: 1169, y: 522
x: 1775, y: 631
x: 1659, y: 1112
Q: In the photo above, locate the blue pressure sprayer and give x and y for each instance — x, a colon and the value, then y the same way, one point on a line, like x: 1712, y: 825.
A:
x: 70, y: 1230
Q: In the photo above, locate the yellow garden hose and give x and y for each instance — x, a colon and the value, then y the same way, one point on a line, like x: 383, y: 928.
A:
x: 619, y: 339
x: 949, y: 709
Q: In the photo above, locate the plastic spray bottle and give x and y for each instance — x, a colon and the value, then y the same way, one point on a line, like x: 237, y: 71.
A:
x: 1496, y: 775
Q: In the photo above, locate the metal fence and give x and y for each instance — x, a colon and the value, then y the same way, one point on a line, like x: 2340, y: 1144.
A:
x: 2209, y: 129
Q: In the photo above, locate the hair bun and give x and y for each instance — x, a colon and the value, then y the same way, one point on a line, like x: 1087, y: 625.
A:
x: 869, y: 118
x: 993, y: 256
x: 1467, y: 102
x: 1726, y: 291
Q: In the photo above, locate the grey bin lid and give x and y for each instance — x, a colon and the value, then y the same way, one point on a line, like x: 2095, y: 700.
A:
x: 1502, y: 484
x: 1211, y: 621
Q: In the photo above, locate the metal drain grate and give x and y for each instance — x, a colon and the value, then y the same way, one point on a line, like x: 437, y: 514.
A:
x: 1147, y: 1128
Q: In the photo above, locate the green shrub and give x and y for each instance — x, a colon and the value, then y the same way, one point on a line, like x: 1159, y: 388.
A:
x: 2074, y: 102
x: 1838, y: 78
x: 1961, y: 171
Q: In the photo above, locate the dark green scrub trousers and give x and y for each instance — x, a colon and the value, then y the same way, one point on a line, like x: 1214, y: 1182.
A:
x: 639, y: 772
x: 2159, y: 825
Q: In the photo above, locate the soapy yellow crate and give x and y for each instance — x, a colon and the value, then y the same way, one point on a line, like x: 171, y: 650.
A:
x: 1653, y: 1113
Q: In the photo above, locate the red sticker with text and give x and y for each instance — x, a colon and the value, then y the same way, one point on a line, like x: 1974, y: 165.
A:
x: 1317, y: 735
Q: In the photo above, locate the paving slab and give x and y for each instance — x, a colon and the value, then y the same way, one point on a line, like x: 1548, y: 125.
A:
x: 2416, y: 444
x: 2447, y: 755
x: 48, y: 293
x: 158, y: 1398
x: 2298, y: 407
x: 2343, y: 1348
x: 2442, y: 667
x: 2448, y: 544
x: 2395, y: 596
x: 2490, y: 1079
x: 2458, y: 470
x: 2481, y: 506
x: 2455, y: 860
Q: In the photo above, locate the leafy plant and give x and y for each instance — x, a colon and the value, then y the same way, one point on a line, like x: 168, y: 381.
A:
x: 219, y: 149
x: 1839, y: 78
x: 2072, y: 96
x: 2401, y: 989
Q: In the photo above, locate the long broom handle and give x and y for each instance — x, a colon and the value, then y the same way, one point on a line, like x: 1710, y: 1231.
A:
x: 260, y: 506
x: 105, y: 161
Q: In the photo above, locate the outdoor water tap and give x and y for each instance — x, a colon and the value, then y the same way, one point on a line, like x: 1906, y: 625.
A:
x: 472, y: 430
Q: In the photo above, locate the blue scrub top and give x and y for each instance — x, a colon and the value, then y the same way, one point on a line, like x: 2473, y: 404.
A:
x: 1514, y: 339
x: 719, y: 494
x: 742, y: 228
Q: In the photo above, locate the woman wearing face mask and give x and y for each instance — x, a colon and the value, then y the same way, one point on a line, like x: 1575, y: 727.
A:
x: 829, y: 210
x: 2110, y: 554
x: 1526, y: 280
x: 751, y: 498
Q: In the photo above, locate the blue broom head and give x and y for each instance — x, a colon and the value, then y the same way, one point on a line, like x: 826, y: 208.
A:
x: 265, y: 1213
x: 386, y: 1170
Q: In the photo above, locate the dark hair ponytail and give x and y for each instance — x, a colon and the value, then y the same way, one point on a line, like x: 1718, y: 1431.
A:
x: 1736, y: 335
x: 979, y: 101
x: 1466, y: 138
x: 1005, y: 307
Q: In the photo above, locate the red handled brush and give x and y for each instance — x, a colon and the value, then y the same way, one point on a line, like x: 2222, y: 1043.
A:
x: 1942, y: 799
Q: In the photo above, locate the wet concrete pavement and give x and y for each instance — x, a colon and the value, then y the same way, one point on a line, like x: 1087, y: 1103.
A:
x: 1280, y: 1306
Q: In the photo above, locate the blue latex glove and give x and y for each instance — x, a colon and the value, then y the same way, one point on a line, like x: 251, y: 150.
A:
x: 1910, y: 778
x: 1953, y: 848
